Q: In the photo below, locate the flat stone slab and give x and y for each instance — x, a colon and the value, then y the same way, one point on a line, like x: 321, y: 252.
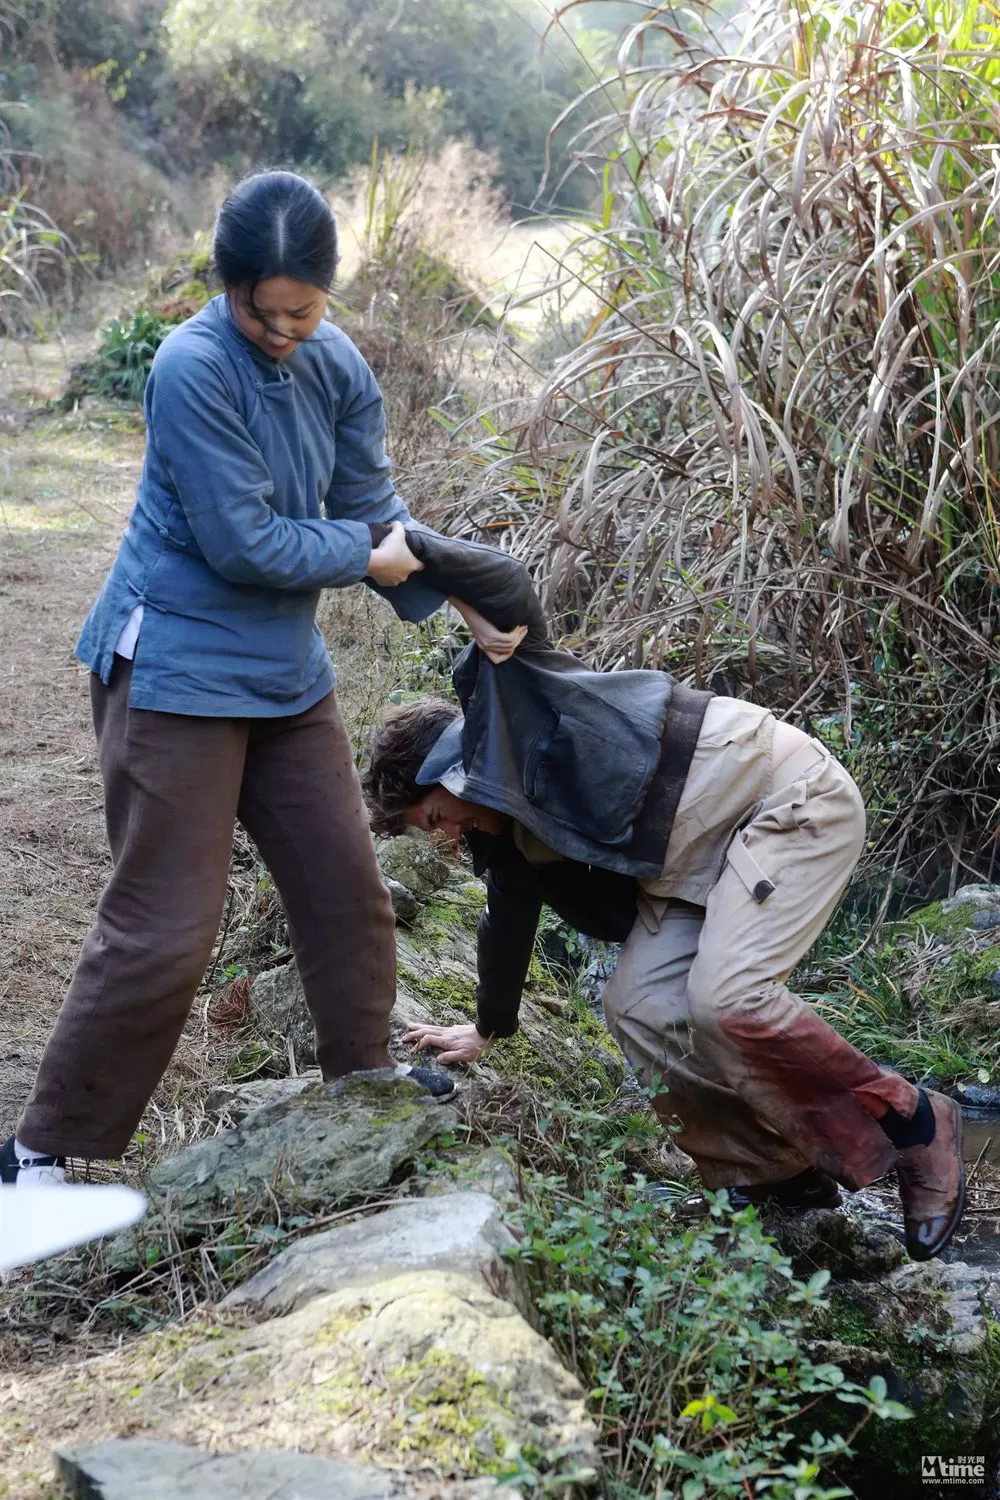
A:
x: 462, y: 1231
x: 122, y: 1469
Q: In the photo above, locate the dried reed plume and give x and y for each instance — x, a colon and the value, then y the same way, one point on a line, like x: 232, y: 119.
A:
x: 770, y: 464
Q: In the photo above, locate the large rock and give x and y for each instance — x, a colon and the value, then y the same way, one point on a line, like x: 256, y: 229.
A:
x: 124, y: 1470
x: 413, y: 862
x: 462, y: 1231
x: 851, y: 1245
x: 332, y: 1144
x: 279, y: 1015
x: 426, y: 1373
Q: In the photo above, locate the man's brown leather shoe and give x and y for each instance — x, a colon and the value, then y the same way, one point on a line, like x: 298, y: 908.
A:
x: 932, y: 1182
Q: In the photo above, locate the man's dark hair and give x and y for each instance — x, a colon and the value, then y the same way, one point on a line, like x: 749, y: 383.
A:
x: 399, y: 747
x: 275, y: 224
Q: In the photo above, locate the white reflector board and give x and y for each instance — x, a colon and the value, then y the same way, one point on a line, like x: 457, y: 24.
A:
x: 38, y: 1222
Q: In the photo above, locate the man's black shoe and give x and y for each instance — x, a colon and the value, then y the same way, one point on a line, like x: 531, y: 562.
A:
x: 809, y: 1189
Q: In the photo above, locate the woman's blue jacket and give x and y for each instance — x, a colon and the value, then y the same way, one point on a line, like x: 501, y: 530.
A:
x: 259, y: 484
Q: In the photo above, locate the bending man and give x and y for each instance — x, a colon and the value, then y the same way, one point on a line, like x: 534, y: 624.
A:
x: 714, y: 842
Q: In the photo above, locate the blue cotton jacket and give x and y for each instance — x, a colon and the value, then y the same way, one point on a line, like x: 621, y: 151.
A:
x: 259, y: 482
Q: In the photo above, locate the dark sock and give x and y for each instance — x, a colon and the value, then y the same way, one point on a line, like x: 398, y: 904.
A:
x: 917, y: 1131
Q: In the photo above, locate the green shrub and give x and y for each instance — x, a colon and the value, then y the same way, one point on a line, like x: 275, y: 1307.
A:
x: 692, y: 1342
x: 125, y: 356
x: 120, y: 367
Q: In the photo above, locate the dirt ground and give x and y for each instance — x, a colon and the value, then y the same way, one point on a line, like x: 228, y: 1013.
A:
x: 66, y: 485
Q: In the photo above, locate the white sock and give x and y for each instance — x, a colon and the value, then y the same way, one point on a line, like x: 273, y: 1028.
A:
x: 30, y: 1175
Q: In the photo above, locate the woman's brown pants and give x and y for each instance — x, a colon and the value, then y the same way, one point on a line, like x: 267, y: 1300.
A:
x: 174, y: 786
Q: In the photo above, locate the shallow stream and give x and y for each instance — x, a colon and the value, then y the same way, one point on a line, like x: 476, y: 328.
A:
x: 978, y: 1238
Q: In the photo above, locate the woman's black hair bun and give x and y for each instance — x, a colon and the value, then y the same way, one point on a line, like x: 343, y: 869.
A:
x: 275, y: 224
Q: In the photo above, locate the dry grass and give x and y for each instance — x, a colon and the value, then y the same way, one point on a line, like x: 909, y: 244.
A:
x: 769, y: 463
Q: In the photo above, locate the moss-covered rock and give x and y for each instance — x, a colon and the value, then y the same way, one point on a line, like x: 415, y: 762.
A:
x: 429, y: 1376
x: 413, y: 861
x: 931, y: 1332
x: 565, y: 1050
x: 331, y: 1144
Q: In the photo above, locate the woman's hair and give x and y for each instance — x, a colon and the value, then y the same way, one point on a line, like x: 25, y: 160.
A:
x: 275, y: 224
x: 399, y: 747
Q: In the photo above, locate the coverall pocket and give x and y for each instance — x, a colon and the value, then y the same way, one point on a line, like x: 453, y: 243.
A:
x: 757, y: 882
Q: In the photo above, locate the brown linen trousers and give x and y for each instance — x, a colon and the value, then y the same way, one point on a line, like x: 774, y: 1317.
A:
x: 174, y: 787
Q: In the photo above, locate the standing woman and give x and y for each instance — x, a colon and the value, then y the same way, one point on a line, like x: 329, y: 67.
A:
x: 265, y: 481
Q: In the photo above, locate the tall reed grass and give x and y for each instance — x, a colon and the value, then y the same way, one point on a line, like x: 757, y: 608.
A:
x: 771, y: 462
x: 34, y: 253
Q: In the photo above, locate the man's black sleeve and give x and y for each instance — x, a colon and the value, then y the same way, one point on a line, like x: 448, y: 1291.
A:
x: 506, y: 938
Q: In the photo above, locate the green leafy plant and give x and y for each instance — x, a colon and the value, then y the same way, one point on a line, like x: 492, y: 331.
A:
x: 120, y: 368
x: 692, y: 1341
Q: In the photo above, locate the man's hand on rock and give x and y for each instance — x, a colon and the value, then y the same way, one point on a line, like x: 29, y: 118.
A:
x: 456, y: 1044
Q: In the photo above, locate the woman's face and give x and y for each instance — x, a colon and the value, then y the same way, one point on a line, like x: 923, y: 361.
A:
x: 282, y: 314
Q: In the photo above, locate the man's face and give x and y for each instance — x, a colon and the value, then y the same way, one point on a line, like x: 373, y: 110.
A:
x: 442, y: 812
